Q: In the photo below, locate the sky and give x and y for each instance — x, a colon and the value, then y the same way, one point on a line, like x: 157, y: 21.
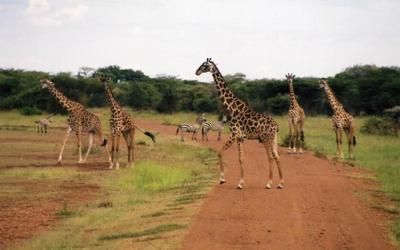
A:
x: 260, y: 38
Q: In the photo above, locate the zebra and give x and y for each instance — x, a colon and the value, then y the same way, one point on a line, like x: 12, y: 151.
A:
x: 42, y: 124
x: 191, y: 128
x: 216, y: 126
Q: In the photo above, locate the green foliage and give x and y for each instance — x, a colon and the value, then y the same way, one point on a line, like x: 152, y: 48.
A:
x: 363, y: 89
x: 278, y: 104
x: 378, y: 125
x: 31, y: 111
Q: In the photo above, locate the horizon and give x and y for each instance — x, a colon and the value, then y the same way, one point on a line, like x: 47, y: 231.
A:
x: 262, y: 40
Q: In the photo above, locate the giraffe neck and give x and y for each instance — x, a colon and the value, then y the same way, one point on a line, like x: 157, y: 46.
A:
x: 335, y: 104
x: 62, y: 99
x: 228, y: 98
x: 293, y: 101
x: 114, y: 106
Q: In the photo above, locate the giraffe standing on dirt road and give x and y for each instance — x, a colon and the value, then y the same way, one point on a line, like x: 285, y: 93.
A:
x: 245, y: 123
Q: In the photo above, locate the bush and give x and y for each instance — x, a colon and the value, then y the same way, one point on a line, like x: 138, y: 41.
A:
x: 31, y: 111
x: 378, y: 125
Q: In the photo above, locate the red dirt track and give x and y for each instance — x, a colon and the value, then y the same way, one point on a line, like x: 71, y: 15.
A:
x: 317, y: 209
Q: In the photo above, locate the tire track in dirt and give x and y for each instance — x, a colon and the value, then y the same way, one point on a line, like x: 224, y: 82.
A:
x: 316, y: 210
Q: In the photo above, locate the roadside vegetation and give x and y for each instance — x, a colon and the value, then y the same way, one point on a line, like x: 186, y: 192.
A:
x: 149, y: 206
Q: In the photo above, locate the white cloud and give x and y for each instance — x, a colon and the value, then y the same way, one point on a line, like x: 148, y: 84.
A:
x: 37, y: 7
x: 41, y: 13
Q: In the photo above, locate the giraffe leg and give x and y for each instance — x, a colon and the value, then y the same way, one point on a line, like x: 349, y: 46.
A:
x: 221, y: 162
x: 295, y: 139
x: 340, y: 143
x: 277, y: 160
x: 79, y: 139
x: 108, y: 155
x: 350, y: 140
x: 116, y: 154
x: 112, y: 151
x: 268, y: 149
x: 240, y: 148
x: 290, y: 137
x: 128, y: 146
x: 337, y: 142
x: 132, y: 140
x: 301, y: 141
x: 90, y: 144
x: 63, y: 145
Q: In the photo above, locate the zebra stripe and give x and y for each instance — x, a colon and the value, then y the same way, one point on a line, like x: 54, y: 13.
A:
x: 186, y: 127
x: 217, y: 126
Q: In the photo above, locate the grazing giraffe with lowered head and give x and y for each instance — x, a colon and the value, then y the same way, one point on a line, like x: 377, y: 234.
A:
x: 341, y: 120
x: 296, y: 118
x: 121, y: 123
x: 245, y: 123
x: 79, y: 121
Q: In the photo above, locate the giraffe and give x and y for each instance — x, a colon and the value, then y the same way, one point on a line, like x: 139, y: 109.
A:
x: 296, y: 118
x: 245, y: 123
x: 341, y: 120
x: 79, y: 121
x: 121, y: 123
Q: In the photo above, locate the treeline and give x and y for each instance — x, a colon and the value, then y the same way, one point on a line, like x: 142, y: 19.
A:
x: 363, y: 89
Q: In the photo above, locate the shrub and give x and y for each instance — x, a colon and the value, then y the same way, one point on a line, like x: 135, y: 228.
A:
x: 31, y: 111
x: 378, y: 125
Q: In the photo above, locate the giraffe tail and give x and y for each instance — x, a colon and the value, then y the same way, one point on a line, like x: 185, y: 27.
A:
x: 354, y: 141
x: 104, y: 143
x: 302, y: 136
x: 152, y: 136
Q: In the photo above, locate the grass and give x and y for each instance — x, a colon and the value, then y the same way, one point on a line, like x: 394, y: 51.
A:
x: 168, y: 179
x: 151, y: 231
x: 133, y: 204
x: 379, y: 154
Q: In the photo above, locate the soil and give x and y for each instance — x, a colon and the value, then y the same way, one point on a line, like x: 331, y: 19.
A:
x: 321, y: 207
x: 324, y: 205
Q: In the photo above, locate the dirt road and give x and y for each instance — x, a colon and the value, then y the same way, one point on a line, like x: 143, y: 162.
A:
x: 317, y: 209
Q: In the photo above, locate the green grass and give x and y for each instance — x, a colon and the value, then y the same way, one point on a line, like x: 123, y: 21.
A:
x: 168, y: 176
x: 134, y: 201
x: 379, y: 154
x: 151, y: 231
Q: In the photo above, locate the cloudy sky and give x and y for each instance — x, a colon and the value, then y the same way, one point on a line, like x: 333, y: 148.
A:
x: 261, y: 38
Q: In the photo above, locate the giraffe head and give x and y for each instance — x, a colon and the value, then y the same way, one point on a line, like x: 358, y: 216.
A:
x: 46, y: 83
x: 206, y: 66
x: 290, y: 76
x: 104, y: 78
x: 322, y: 83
